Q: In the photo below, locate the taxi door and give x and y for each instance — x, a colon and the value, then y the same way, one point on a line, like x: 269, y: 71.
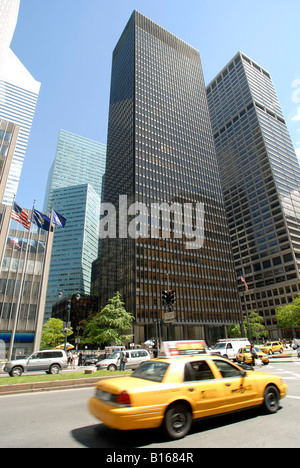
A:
x: 239, y: 391
x: 201, y: 386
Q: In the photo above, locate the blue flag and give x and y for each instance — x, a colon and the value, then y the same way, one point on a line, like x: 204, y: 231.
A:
x: 58, y: 219
x: 41, y: 220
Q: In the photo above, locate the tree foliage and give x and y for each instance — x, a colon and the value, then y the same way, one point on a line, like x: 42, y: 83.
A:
x: 288, y: 316
x: 109, y: 326
x: 253, y: 327
x: 51, y: 334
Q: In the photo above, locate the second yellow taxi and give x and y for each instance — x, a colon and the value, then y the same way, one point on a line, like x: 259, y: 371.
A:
x: 244, y: 355
x: 172, y: 392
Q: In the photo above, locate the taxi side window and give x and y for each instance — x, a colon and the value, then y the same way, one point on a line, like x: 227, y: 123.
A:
x: 226, y: 369
x: 198, y: 370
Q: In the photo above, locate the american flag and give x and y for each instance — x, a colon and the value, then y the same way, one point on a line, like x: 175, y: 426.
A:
x: 244, y: 281
x: 20, y: 215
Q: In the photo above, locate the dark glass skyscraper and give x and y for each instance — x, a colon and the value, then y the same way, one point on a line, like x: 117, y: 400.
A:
x: 160, y: 150
x: 260, y: 177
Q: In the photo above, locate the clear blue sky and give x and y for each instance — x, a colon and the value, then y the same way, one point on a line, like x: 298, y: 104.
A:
x: 67, y: 45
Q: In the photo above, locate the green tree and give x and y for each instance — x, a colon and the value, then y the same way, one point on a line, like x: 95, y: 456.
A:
x: 109, y: 325
x: 256, y: 326
x: 288, y: 316
x: 234, y: 331
x: 51, y: 334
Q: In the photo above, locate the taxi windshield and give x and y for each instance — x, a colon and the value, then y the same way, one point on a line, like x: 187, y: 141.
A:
x: 150, y: 370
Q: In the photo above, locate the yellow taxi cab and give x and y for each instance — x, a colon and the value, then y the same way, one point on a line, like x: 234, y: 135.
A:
x: 272, y: 347
x: 171, y: 392
x: 244, y: 355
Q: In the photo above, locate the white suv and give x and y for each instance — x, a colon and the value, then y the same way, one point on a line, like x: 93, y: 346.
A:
x: 134, y: 358
x: 50, y: 361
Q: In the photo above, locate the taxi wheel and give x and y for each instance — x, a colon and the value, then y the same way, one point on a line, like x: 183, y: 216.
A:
x: 178, y: 420
x: 271, y: 399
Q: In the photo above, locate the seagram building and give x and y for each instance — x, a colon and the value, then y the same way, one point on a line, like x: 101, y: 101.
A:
x: 160, y: 149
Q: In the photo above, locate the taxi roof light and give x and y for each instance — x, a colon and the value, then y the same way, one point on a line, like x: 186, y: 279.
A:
x: 170, y: 349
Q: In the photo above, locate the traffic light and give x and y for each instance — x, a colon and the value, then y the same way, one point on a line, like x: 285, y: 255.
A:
x: 165, y: 296
x: 172, y: 297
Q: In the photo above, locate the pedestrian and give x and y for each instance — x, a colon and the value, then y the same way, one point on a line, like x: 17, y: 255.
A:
x: 254, y: 355
x: 123, y: 360
x: 155, y: 351
x: 74, y: 360
x: 70, y: 356
x: 80, y: 360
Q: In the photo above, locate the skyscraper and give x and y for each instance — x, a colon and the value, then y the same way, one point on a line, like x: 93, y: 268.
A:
x: 18, y: 93
x: 160, y: 150
x: 260, y: 177
x: 78, y: 160
x: 74, y: 189
x: 9, y: 10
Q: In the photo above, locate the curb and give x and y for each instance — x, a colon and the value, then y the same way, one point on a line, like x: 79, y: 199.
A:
x: 14, y: 389
x: 47, y: 386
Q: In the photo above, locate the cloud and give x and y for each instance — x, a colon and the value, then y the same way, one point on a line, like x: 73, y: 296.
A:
x: 296, y: 93
x: 297, y: 116
x: 298, y: 153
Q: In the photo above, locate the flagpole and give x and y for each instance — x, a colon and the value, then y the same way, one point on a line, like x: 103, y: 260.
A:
x: 44, y: 280
x: 18, y: 304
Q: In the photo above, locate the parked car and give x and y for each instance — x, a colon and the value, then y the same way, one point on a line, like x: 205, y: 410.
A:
x: 90, y: 360
x: 51, y: 361
x: 134, y: 358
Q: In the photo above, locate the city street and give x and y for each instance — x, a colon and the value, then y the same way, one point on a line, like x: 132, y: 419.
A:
x: 61, y: 419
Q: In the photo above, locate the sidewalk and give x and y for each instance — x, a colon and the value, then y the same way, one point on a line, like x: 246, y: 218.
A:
x: 13, y: 389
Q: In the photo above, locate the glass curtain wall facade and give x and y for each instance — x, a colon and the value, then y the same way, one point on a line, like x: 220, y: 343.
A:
x: 160, y: 150
x: 78, y: 160
x: 76, y: 246
x: 260, y: 178
x: 18, y: 98
x: 74, y: 188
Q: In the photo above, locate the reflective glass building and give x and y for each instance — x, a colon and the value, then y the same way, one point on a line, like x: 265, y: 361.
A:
x: 74, y: 189
x: 78, y: 160
x: 18, y: 94
x: 160, y: 150
x: 260, y: 177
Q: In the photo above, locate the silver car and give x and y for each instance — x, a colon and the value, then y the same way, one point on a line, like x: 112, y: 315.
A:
x: 134, y: 358
x: 51, y: 361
